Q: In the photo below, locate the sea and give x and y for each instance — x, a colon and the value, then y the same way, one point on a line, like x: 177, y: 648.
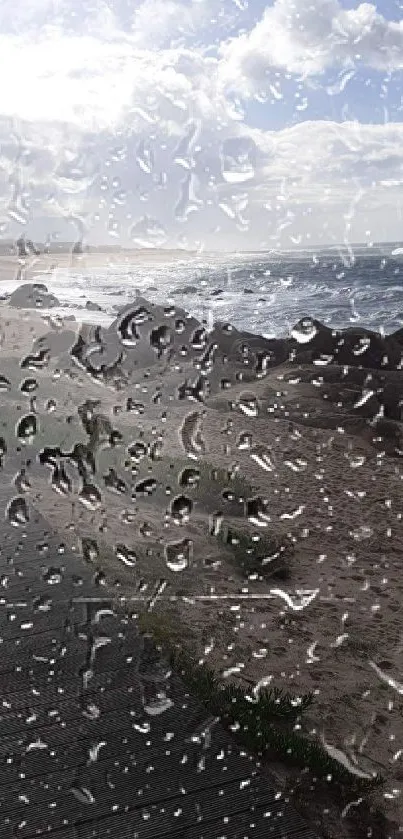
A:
x: 265, y: 293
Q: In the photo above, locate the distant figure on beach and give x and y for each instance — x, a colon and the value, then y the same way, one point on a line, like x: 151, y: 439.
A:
x: 22, y: 247
x: 78, y: 248
x: 25, y: 247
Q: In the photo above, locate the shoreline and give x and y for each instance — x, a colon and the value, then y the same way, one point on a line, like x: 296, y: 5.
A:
x: 13, y: 268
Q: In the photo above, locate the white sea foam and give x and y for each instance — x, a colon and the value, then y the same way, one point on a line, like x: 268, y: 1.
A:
x: 266, y: 293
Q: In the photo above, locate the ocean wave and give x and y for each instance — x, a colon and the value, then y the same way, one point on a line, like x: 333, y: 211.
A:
x: 254, y: 294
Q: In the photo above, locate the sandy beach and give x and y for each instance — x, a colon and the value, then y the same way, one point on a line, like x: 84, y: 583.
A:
x: 27, y: 269
x: 250, y: 489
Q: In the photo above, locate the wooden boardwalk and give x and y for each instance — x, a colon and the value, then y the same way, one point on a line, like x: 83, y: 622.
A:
x: 87, y: 749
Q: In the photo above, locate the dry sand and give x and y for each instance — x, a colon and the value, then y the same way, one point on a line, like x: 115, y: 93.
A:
x: 328, y: 618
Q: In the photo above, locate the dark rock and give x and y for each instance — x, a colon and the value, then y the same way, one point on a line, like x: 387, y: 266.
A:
x: 354, y: 346
x: 397, y: 336
x: 187, y: 289
x: 33, y: 296
x: 392, y: 399
x: 246, y: 348
x: 93, y: 307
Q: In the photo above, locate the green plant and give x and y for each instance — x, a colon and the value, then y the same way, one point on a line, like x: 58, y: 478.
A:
x: 260, y: 723
x: 271, y: 703
x: 165, y: 629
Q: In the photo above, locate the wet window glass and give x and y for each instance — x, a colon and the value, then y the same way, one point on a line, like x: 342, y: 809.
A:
x: 201, y: 439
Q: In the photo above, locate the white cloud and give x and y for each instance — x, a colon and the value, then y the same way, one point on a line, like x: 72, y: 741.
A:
x: 160, y: 22
x: 305, y: 38
x: 95, y: 83
x: 149, y: 22
x: 92, y: 16
x: 247, y: 185
x: 143, y: 143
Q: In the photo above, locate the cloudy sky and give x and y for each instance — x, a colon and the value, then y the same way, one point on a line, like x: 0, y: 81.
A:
x: 223, y: 124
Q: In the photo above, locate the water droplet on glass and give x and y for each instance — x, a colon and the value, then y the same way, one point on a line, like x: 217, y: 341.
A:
x: 304, y: 331
x: 178, y: 555
x: 5, y: 384
x: 36, y: 361
x: 133, y: 407
x: 90, y: 550
x: 127, y: 330
x: 146, y: 487
x: 356, y: 460
x: 90, y: 496
x: 238, y: 160
x: 244, y: 441
x: 180, y: 326
x: 362, y: 345
x: 126, y: 555
x: 114, y: 483
x: 42, y: 604
x: 361, y: 533
x: 93, y: 752
x: 248, y: 404
x: 216, y: 523
x: 17, y: 511
x: 83, y: 795
x: 199, y: 339
x: 190, y: 435
x: 263, y: 457
x: 161, y: 339
x: 157, y: 705
x: 256, y: 511
x: 22, y: 482
x: 27, y: 428
x: 181, y: 508
x: 60, y: 481
x: 189, y: 477
x: 156, y: 449
x: 262, y: 364
x: 145, y: 157
x: 49, y: 457
x: 52, y: 576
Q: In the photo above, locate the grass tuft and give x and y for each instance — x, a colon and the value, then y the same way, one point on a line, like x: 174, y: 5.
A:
x: 264, y: 724
x: 261, y: 724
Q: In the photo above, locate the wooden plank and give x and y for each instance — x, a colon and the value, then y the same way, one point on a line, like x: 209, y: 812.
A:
x: 150, y: 778
x: 147, y: 823
x: 258, y: 823
x: 139, y: 768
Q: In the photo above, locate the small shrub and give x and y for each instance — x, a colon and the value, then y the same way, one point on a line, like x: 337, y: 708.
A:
x: 260, y: 723
x: 263, y: 724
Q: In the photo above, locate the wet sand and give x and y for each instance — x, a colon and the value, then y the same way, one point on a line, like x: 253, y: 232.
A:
x: 168, y: 447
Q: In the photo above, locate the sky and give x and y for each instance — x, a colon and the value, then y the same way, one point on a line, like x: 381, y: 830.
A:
x: 208, y: 124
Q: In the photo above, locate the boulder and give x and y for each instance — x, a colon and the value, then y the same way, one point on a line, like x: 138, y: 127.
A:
x: 93, y: 307
x: 33, y: 296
